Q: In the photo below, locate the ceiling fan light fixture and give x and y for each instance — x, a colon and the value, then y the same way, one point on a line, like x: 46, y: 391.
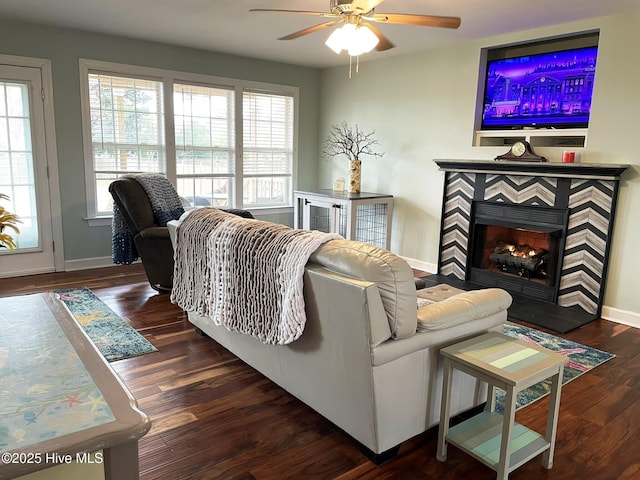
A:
x: 335, y: 41
x: 355, y: 39
x: 363, y: 40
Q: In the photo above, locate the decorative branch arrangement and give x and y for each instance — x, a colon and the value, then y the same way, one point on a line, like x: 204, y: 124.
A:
x: 7, y: 220
x: 349, y: 141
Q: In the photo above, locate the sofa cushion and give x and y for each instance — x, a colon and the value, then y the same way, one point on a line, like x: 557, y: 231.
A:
x: 463, y: 307
x: 393, y: 276
x: 437, y: 293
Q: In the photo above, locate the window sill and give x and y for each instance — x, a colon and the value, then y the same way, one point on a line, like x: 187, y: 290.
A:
x: 99, y: 221
x: 257, y: 212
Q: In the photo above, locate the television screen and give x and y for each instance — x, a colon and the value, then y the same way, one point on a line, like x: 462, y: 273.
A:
x: 548, y: 90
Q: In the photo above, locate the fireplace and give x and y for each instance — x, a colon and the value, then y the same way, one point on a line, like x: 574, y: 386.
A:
x: 518, y: 248
x: 563, y: 213
x: 519, y: 252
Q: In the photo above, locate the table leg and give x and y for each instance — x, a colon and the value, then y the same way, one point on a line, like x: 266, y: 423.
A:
x: 552, y: 418
x: 445, y: 411
x: 507, y: 430
x: 121, y: 462
x: 491, y: 398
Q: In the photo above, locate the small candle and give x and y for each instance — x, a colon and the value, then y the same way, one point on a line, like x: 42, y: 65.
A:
x: 568, y: 156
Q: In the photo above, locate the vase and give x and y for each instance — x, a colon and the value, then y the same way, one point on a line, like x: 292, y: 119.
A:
x: 355, y: 169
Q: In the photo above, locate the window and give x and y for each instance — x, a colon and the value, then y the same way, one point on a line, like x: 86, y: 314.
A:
x: 205, y: 144
x: 233, y: 143
x: 127, y: 131
x: 267, y: 149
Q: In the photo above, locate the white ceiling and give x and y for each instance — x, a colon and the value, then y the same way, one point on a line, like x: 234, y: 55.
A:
x: 227, y: 25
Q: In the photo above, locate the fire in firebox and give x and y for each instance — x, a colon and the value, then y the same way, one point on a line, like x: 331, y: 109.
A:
x: 521, y: 260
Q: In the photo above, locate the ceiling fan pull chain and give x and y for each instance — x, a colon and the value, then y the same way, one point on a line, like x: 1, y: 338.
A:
x: 357, y: 64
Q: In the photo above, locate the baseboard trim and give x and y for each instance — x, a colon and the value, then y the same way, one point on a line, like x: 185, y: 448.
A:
x: 25, y: 273
x: 87, y: 263
x: 420, y: 265
x: 623, y: 317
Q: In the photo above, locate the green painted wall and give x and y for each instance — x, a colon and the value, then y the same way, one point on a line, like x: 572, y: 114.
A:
x: 64, y: 47
x: 422, y: 107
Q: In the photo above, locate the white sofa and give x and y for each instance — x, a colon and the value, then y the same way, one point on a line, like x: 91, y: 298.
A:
x: 361, y: 362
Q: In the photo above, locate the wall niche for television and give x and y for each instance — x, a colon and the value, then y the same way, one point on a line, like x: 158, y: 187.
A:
x: 539, y: 91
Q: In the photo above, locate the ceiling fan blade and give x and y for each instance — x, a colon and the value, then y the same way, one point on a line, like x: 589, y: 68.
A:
x: 384, y: 43
x: 365, y: 6
x: 309, y: 30
x: 421, y: 20
x: 303, y: 12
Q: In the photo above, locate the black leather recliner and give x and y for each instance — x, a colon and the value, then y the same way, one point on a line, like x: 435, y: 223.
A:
x: 151, y: 240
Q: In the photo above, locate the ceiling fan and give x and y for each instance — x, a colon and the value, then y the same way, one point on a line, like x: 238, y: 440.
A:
x: 358, y: 35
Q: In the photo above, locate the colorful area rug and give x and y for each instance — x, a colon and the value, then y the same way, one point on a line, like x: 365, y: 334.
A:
x: 114, y: 337
x: 580, y: 358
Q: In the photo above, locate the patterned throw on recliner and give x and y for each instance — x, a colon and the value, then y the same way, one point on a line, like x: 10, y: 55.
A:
x: 166, y: 206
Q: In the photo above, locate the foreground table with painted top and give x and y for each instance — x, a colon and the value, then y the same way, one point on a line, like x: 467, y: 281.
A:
x: 60, y: 401
x: 510, y: 364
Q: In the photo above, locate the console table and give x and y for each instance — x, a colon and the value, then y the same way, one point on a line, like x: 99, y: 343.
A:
x: 365, y: 217
x: 496, y: 439
x: 60, y: 400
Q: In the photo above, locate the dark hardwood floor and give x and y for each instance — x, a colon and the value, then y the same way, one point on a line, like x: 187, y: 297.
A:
x: 215, y: 417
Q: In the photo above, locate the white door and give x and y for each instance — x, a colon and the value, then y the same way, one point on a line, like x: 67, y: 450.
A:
x: 24, y: 173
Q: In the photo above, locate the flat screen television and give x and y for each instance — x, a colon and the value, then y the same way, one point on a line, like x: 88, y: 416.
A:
x: 546, y: 90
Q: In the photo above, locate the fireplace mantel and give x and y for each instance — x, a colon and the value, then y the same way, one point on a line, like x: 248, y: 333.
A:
x: 586, y: 192
x: 537, y: 169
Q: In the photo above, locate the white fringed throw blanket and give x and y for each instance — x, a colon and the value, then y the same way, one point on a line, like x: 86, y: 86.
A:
x: 244, y: 274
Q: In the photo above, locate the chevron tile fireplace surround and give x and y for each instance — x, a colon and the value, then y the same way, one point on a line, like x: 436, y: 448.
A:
x: 570, y: 208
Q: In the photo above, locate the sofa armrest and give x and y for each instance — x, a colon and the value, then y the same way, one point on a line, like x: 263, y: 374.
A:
x: 155, y: 232
x: 172, y: 227
x: 462, y: 308
x: 471, y: 314
x: 394, y: 349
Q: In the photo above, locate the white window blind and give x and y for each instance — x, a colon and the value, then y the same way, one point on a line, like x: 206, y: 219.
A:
x: 268, y: 143
x: 204, y: 122
x: 127, y: 130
